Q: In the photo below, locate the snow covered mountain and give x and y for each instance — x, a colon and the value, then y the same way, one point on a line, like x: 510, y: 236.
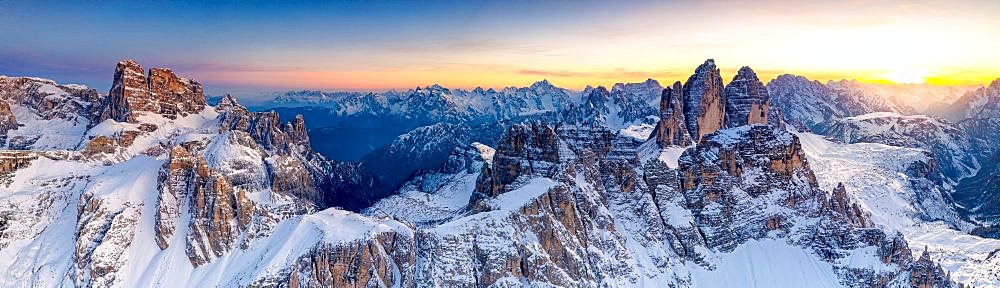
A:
x: 151, y: 186
x: 979, y: 197
x: 811, y: 104
x: 158, y: 182
x: 367, y: 115
x: 951, y: 147
x: 923, y: 98
x: 895, y: 185
x: 983, y: 102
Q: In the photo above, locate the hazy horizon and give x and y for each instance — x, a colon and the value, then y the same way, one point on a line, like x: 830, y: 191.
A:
x: 255, y: 95
x: 377, y: 46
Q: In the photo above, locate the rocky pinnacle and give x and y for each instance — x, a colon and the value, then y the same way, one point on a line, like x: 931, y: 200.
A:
x: 703, y: 100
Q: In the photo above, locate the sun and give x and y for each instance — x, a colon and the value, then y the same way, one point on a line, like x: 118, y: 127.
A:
x: 908, y: 76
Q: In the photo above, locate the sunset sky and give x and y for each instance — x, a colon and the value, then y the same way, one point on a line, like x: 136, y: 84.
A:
x: 367, y: 45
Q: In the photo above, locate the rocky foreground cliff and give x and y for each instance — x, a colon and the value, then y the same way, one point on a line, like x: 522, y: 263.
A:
x: 150, y: 186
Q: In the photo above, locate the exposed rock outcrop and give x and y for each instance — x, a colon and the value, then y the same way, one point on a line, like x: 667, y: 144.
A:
x: 708, y: 175
x: 524, y: 150
x: 51, y: 116
x: 219, y: 212
x: 927, y: 274
x: 370, y: 262
x: 747, y: 101
x: 129, y: 85
x: 7, y: 121
x: 842, y: 206
x: 704, y: 105
x: 672, y: 129
x: 11, y: 161
x: 161, y: 92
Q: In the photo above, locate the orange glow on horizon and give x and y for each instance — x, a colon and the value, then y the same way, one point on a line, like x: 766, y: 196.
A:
x: 465, y: 79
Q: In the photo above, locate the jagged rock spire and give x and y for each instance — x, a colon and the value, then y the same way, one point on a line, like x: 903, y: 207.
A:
x: 671, y: 130
x: 926, y: 273
x: 704, y: 107
x: 129, y: 83
x: 162, y: 92
x: 747, y: 100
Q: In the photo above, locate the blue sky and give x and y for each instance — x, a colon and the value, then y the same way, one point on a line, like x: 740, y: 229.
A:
x: 359, y: 45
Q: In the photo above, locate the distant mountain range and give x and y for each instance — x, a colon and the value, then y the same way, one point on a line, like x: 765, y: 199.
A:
x: 696, y: 183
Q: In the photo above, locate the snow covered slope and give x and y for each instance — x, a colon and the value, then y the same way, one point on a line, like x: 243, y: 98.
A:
x: 884, y: 180
x: 165, y: 191
x: 951, y: 147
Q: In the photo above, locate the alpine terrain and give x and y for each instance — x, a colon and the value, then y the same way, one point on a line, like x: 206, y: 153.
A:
x: 702, y: 182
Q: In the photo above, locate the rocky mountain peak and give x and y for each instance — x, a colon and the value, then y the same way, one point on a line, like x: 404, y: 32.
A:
x: 672, y: 130
x: 434, y: 88
x: 747, y: 100
x: 600, y: 90
x: 543, y: 84
x: 746, y: 72
x: 597, y: 97
x: 161, y: 92
x: 650, y: 83
x: 128, y: 83
x: 226, y: 103
x: 704, y: 106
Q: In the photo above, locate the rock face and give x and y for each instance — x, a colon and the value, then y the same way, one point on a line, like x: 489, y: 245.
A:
x: 704, y: 105
x: 525, y: 150
x: 129, y: 84
x: 11, y: 161
x: 7, y: 121
x: 705, y: 177
x: 672, y: 129
x: 841, y: 206
x: 742, y: 185
x: 369, y: 263
x: 176, y: 96
x: 293, y: 167
x: 51, y: 116
x: 747, y: 101
x: 218, y: 211
x: 161, y: 93
x: 925, y: 273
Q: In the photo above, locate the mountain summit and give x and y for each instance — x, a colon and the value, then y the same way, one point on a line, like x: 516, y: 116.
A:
x: 690, y: 185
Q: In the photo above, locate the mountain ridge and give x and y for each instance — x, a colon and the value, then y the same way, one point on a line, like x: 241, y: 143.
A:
x: 543, y: 187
